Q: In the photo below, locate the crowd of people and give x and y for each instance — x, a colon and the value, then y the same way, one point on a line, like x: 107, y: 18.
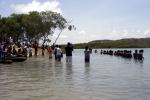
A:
x: 27, y: 51
x: 138, y: 54
x: 58, y: 54
x: 14, y: 50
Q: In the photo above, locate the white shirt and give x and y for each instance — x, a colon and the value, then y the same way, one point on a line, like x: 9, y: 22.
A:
x: 58, y: 52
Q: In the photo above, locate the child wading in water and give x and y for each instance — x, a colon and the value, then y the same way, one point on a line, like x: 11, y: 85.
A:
x: 87, y: 54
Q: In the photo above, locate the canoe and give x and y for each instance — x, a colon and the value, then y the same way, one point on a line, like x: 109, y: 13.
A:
x: 5, y: 61
x: 17, y: 59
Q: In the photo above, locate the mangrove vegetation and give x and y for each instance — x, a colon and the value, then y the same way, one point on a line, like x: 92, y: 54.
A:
x: 31, y: 27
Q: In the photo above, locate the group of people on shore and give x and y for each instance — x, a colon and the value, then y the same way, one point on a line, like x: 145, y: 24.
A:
x: 14, y: 50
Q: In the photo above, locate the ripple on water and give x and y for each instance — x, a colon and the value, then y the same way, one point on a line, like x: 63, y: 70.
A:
x: 104, y: 78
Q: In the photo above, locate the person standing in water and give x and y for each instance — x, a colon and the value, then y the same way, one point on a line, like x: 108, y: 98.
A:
x: 30, y: 51
x: 68, y: 50
x: 87, y: 54
x: 43, y: 50
x: 50, y: 51
x: 58, y: 53
x: 36, y: 48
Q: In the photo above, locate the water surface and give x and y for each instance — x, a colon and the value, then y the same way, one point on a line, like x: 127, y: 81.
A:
x: 104, y: 78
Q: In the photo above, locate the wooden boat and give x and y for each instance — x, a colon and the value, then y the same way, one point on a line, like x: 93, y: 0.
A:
x: 16, y: 59
x: 2, y: 61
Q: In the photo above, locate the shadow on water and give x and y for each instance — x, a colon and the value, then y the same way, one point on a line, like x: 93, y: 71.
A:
x: 139, y: 62
x: 131, y: 61
x: 87, y: 65
x: 69, y: 74
x: 87, y: 70
x: 58, y: 69
x: 69, y: 67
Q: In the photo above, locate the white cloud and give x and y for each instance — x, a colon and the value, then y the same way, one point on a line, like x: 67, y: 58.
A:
x: 120, y: 34
x: 125, y: 33
x: 82, y: 32
x: 115, y: 34
x: 35, y: 5
x: 83, y: 37
x: 61, y: 36
x: 147, y: 32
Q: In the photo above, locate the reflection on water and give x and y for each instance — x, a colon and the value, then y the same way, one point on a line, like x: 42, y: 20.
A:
x: 104, y: 78
x: 87, y: 65
x: 69, y: 71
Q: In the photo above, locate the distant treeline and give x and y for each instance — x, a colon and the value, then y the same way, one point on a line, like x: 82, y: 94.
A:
x: 122, y: 43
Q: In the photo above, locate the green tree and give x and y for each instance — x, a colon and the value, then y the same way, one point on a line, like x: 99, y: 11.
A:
x: 32, y: 27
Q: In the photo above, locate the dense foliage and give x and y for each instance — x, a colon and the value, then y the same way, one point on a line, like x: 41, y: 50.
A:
x: 31, y: 27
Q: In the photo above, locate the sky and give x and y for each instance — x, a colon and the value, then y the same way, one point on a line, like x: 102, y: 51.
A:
x: 94, y: 19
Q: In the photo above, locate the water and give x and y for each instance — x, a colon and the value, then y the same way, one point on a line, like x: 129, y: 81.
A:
x: 105, y: 78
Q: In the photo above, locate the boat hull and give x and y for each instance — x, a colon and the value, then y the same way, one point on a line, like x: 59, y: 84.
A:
x: 17, y: 59
x: 5, y: 61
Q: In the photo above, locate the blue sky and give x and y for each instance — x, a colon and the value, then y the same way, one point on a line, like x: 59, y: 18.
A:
x: 94, y: 19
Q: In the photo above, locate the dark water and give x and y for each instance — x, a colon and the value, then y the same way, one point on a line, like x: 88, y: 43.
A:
x: 105, y: 78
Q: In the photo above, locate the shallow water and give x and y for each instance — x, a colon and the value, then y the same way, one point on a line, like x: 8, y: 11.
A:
x: 105, y: 78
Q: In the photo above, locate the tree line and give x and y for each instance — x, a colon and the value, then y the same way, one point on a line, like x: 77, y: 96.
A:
x: 122, y: 43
